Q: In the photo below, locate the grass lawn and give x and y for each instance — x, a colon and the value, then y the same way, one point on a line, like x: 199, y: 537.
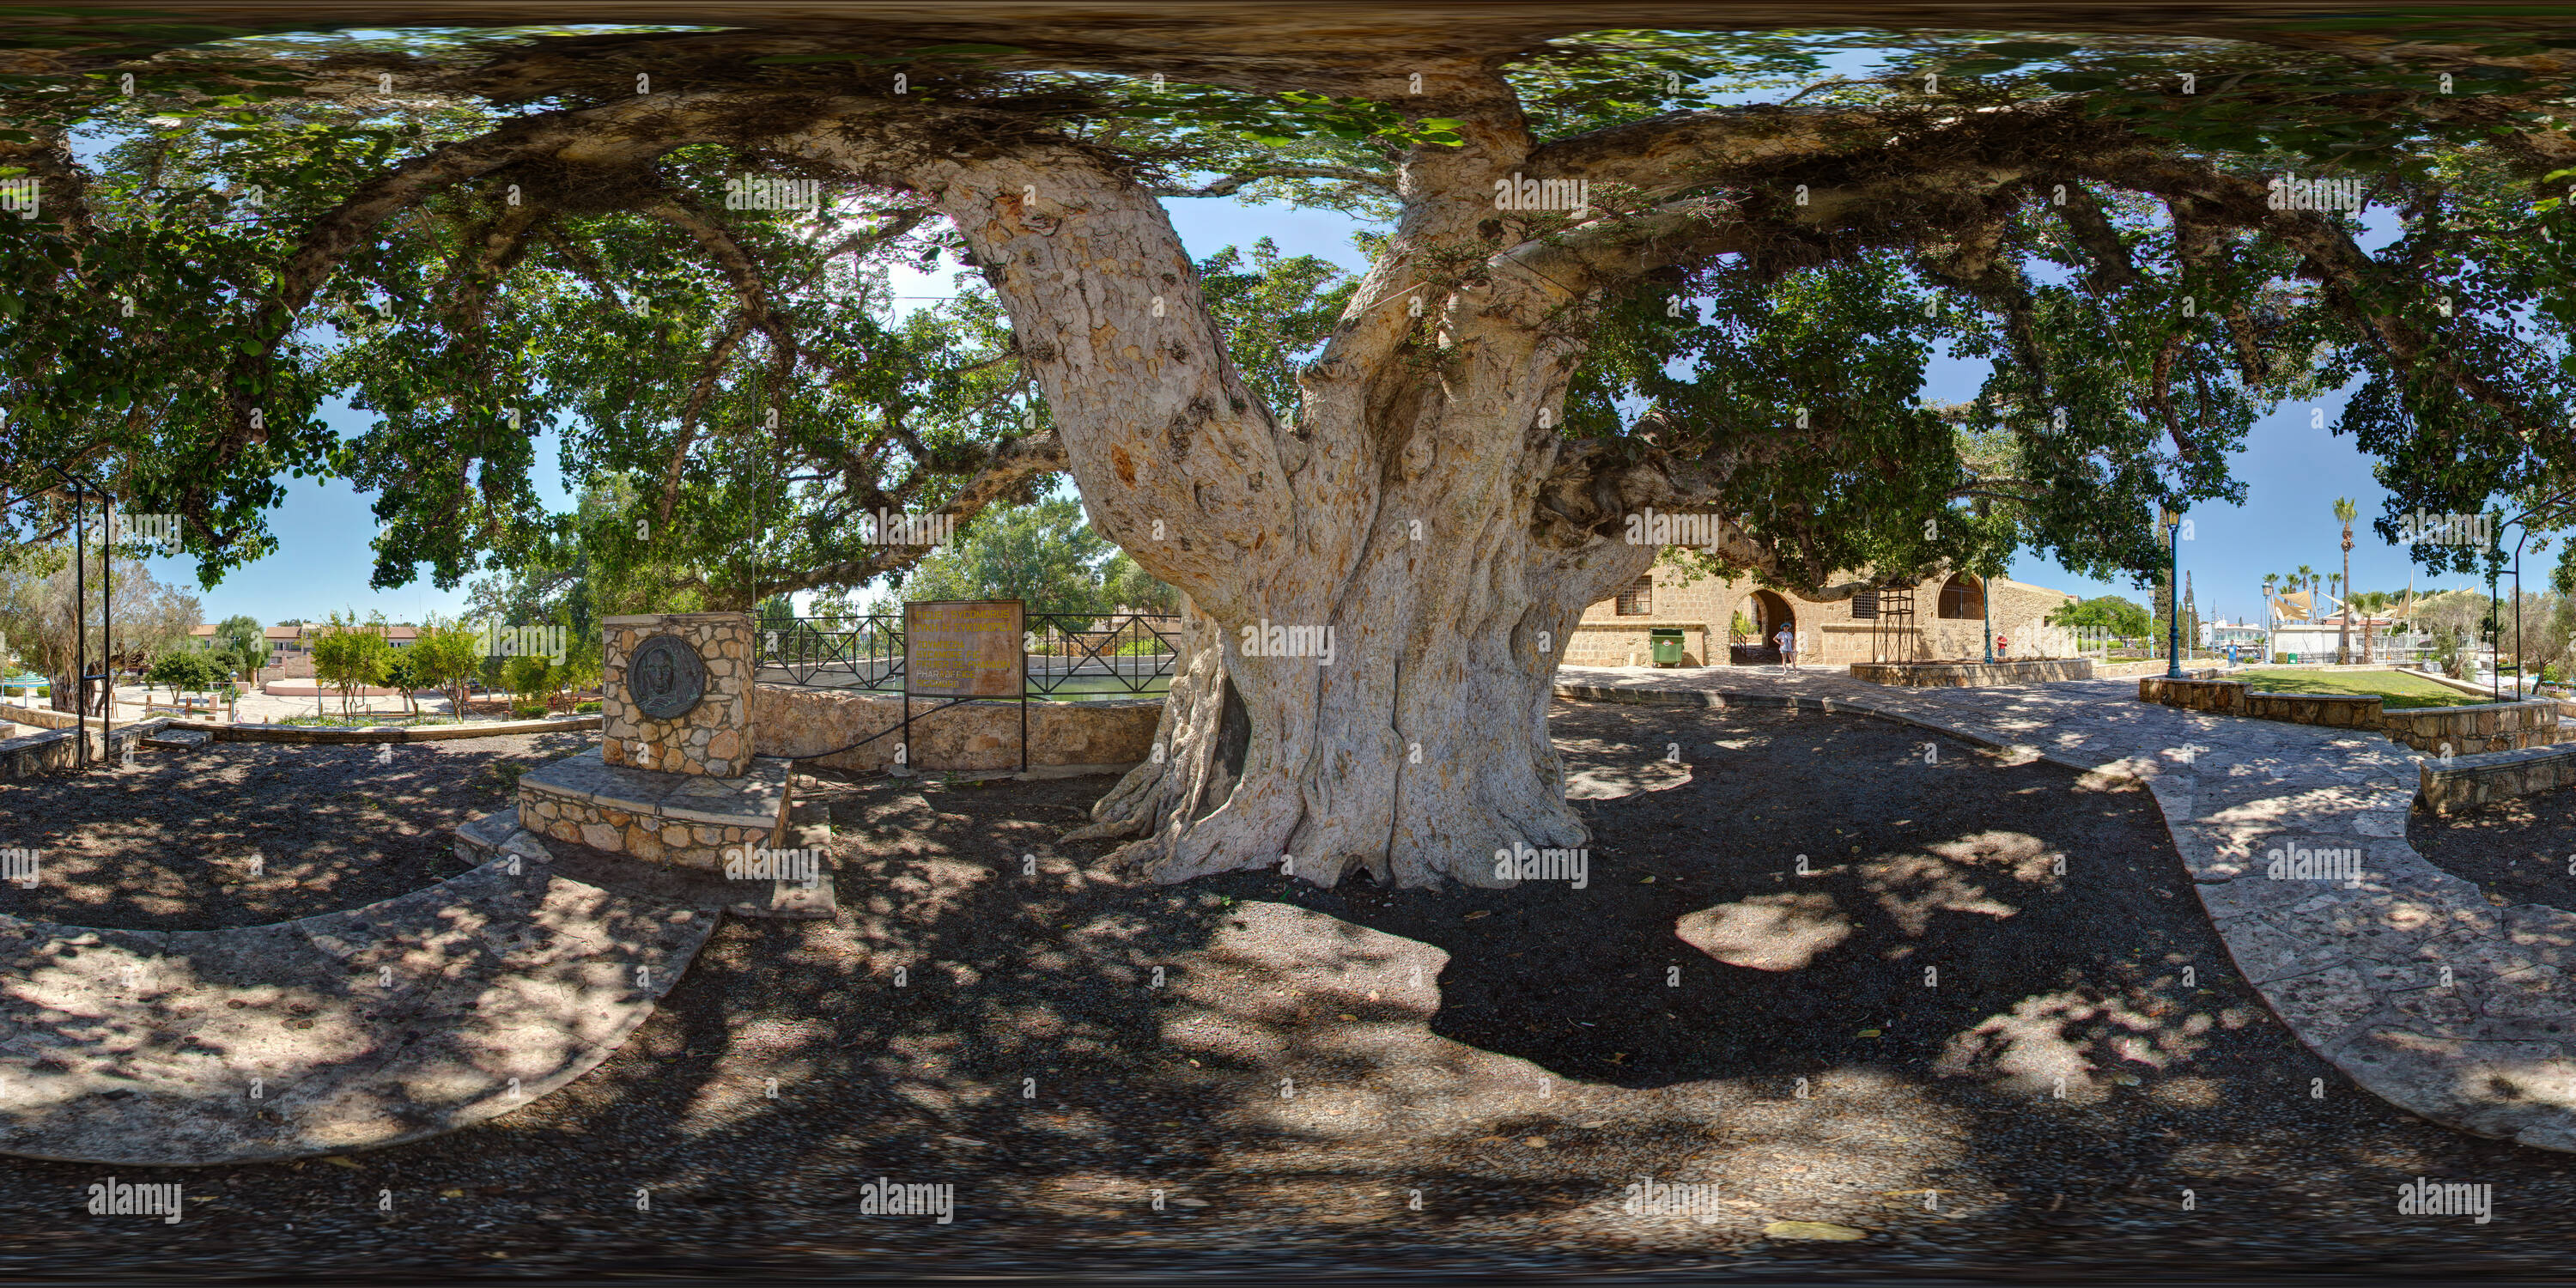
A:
x: 2395, y: 689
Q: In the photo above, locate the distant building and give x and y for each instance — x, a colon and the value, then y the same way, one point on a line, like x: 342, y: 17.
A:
x: 2242, y: 635
x: 299, y: 639
x: 2298, y: 636
x: 1947, y: 615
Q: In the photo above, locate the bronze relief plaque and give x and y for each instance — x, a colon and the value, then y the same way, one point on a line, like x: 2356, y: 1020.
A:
x: 665, y: 677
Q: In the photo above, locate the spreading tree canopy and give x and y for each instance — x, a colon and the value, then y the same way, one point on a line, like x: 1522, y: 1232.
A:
x: 1621, y: 262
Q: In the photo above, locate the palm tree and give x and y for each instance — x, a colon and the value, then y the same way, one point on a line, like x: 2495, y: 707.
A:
x: 2308, y: 582
x: 2271, y: 580
x: 2344, y: 509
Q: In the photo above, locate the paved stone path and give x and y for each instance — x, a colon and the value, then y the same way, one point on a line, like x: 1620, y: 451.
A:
x: 403, y: 1019
x: 2407, y: 980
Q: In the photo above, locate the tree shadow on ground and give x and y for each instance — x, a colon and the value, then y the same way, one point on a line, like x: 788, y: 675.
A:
x: 1289, y: 1086
x: 1291, y: 1092
x: 168, y: 844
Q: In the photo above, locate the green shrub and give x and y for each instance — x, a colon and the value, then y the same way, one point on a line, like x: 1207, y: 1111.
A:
x: 445, y: 657
x: 349, y: 655
x: 187, y: 671
x: 588, y: 708
x: 527, y: 710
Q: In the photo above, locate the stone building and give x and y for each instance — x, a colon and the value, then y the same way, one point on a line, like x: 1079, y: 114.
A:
x: 1947, y: 614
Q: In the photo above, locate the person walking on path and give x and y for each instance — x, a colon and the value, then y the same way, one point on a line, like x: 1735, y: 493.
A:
x: 1787, y: 639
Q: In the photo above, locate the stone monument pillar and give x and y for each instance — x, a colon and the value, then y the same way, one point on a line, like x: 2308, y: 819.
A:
x: 676, y: 693
x: 673, y: 781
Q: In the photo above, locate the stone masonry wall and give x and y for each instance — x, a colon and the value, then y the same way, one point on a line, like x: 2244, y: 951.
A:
x: 2470, y: 781
x: 712, y: 738
x: 791, y: 720
x: 2485, y: 727
x: 1828, y: 634
x: 1615, y: 642
x: 2219, y: 697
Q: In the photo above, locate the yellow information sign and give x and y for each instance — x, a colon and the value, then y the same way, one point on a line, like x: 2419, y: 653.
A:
x: 964, y: 649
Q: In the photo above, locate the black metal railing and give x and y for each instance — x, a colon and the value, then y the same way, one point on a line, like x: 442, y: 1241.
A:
x: 1066, y: 652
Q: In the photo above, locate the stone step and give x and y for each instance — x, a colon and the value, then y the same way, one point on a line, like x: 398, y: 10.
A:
x: 809, y: 828
x: 676, y: 820
x: 177, y: 740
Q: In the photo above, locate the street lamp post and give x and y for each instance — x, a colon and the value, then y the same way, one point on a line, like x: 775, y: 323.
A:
x: 80, y: 612
x: 1986, y: 608
x: 2519, y: 688
x: 2172, y: 521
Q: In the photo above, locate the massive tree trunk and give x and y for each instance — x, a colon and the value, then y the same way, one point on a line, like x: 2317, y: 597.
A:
x: 1388, y: 540
x: 1415, y: 751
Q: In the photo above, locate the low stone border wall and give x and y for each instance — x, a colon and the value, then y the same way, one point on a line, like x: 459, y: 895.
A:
x: 382, y: 733
x: 2465, y: 782
x: 38, y: 753
x: 800, y: 721
x: 310, y: 688
x: 2467, y: 730
x: 1973, y: 675
x: 2123, y: 670
x: 58, y: 747
x: 41, y: 717
x: 2332, y: 710
x: 2493, y: 726
x: 2218, y: 697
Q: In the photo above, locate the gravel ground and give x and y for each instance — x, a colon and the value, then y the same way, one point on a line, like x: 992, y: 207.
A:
x: 167, y: 844
x: 674, y: 1159
x: 2519, y: 850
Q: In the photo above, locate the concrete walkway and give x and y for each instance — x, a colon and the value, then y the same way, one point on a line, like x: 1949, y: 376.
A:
x: 2407, y: 980
x: 350, y: 1030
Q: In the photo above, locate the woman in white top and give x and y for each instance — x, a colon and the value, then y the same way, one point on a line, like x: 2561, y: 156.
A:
x: 1787, y: 639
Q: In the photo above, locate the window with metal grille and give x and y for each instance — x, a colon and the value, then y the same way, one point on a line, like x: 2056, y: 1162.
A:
x: 1638, y: 600
x: 1865, y: 604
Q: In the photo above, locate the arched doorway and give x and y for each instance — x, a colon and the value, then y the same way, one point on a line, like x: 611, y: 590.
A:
x: 1765, y: 612
x: 1963, y: 598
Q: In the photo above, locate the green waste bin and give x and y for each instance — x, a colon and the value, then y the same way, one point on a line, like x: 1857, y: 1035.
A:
x: 1667, y: 641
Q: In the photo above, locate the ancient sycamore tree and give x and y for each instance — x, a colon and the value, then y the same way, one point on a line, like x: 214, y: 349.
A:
x: 1623, y: 269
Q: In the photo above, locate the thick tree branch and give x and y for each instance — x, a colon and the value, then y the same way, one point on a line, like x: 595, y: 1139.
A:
x: 489, y: 258
x: 2113, y: 269
x: 752, y: 295
x: 1010, y: 465
x: 1683, y: 149
x: 64, y: 185
x: 2349, y: 277
x: 1597, y: 483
